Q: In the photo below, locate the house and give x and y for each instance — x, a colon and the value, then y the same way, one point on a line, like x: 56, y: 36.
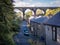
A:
x: 52, y: 27
x: 37, y: 27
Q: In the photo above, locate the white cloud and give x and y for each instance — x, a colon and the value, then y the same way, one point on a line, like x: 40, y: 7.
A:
x: 38, y: 4
x: 22, y: 4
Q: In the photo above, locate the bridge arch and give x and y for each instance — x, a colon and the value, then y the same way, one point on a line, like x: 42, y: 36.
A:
x: 39, y: 12
x: 33, y: 9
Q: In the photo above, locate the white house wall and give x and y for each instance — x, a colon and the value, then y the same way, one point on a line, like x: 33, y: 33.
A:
x: 49, y: 40
x: 37, y: 29
x: 58, y: 35
x: 48, y: 30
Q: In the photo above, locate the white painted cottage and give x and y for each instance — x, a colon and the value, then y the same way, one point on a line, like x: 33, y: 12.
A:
x: 37, y: 27
x: 52, y: 27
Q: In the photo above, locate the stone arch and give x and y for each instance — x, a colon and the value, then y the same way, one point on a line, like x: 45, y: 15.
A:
x: 16, y: 10
x: 20, y: 12
x: 39, y: 12
x: 29, y: 10
x: 26, y: 11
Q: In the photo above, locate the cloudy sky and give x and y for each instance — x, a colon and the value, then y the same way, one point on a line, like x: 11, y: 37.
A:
x: 37, y: 3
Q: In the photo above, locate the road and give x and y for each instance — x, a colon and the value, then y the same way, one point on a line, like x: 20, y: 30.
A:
x: 20, y: 38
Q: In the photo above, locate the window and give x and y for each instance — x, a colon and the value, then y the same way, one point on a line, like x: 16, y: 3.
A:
x: 54, y: 33
x: 48, y: 28
x: 31, y: 28
x: 39, y: 26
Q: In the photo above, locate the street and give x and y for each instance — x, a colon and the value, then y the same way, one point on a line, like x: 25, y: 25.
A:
x: 20, y: 38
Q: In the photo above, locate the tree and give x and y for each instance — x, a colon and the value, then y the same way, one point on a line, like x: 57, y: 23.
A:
x: 48, y: 12
x: 39, y: 12
x: 19, y: 15
x: 52, y: 11
x: 28, y: 14
x: 6, y: 20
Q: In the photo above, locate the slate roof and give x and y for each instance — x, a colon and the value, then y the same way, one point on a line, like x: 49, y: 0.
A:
x: 39, y: 20
x: 54, y: 21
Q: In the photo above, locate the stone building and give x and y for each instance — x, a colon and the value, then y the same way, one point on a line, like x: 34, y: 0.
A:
x: 37, y: 27
x: 52, y: 27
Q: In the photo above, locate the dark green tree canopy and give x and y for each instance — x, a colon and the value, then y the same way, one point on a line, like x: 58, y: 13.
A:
x: 6, y: 18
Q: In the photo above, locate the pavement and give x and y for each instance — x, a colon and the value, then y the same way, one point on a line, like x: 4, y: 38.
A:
x: 20, y: 38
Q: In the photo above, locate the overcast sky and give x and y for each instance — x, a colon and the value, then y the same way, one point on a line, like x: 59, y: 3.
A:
x: 37, y: 3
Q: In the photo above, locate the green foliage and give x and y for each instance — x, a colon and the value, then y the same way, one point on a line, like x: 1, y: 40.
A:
x: 16, y: 25
x: 7, y: 23
x: 52, y: 11
x: 28, y: 14
x: 9, y: 38
x: 39, y: 12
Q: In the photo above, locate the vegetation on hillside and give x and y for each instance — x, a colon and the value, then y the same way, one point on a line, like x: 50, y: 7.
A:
x: 28, y: 14
x: 52, y: 11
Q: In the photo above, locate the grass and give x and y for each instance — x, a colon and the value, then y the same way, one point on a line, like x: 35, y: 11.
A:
x: 31, y: 42
x: 9, y: 38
